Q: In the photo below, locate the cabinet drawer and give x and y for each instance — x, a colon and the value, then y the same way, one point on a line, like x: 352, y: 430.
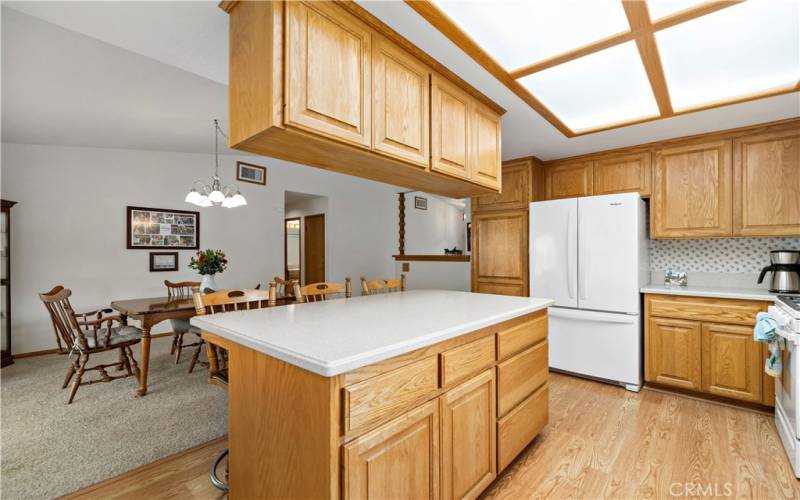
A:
x: 461, y: 362
x: 374, y: 399
x: 520, y: 426
x: 515, y: 339
x: 731, y: 311
x: 520, y: 375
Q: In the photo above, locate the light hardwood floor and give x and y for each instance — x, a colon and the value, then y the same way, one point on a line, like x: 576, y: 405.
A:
x: 602, y: 442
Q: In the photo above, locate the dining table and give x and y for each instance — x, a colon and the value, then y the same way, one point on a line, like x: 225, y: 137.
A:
x: 153, y: 310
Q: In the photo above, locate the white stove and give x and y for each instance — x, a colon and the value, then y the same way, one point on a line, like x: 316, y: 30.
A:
x: 786, y: 312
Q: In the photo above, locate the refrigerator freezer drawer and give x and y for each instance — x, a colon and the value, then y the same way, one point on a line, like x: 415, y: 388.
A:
x: 596, y: 344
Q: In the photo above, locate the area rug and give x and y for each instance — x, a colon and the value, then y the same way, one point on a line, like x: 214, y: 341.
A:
x: 49, y: 448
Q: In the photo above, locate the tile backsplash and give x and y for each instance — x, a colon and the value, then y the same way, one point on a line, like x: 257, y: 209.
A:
x: 726, y: 255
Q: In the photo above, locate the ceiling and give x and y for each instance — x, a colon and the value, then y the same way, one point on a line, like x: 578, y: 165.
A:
x: 152, y: 75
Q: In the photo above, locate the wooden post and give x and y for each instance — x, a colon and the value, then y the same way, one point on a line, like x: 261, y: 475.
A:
x: 402, y: 218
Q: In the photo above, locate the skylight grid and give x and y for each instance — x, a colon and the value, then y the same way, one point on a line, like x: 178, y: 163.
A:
x: 742, y: 50
x: 607, y: 87
x: 517, y: 33
x: 660, y: 9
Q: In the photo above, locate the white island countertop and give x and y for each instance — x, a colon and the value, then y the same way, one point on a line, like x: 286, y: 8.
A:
x: 340, y: 335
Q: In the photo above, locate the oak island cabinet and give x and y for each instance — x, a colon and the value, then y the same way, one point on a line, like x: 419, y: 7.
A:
x: 419, y: 406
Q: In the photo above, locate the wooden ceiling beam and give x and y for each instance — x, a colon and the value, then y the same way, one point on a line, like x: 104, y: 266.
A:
x: 639, y: 20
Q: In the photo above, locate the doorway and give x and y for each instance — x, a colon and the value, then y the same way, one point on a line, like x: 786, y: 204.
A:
x: 304, y: 237
x: 315, y: 248
x: 291, y: 249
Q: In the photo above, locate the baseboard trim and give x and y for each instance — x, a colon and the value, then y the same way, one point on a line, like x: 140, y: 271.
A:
x: 711, y: 398
x: 55, y: 351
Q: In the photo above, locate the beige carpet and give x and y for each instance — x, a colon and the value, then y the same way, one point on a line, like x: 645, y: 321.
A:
x: 50, y: 448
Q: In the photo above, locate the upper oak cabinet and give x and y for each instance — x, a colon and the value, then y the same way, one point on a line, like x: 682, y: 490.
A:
x: 766, y: 184
x: 465, y: 135
x: 450, y: 118
x: 623, y: 174
x: 401, y: 100
x: 328, y: 72
x: 568, y: 180
x: 485, y: 146
x: 327, y: 84
x: 692, y: 191
x: 516, y: 188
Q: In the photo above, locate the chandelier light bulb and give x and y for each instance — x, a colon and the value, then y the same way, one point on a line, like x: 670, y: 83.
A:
x: 193, y: 197
x: 228, y: 202
x: 216, y: 196
x: 239, y: 200
x: 204, y: 201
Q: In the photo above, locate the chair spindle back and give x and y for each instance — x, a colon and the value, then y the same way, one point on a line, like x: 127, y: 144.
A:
x: 382, y: 285
x: 315, y: 292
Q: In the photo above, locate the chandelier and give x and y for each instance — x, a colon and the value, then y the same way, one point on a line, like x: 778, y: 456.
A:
x: 214, y: 195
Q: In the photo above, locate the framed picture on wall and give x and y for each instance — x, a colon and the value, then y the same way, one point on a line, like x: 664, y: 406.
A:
x: 247, y: 172
x: 420, y: 203
x: 163, y: 261
x: 158, y: 228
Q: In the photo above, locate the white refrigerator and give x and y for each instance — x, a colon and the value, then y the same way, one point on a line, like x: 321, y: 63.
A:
x: 591, y: 256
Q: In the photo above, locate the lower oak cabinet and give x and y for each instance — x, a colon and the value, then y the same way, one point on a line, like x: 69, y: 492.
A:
x: 706, y: 345
x: 469, y: 442
x: 491, y: 403
x: 397, y: 460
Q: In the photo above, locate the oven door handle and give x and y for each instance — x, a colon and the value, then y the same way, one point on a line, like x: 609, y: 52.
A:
x: 791, y: 337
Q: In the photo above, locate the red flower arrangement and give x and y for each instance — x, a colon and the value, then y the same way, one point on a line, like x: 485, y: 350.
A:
x: 209, y: 262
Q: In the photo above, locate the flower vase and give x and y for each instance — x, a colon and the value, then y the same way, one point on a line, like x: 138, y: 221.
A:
x: 208, y: 282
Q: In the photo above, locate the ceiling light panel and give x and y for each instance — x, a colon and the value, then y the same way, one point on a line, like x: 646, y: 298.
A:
x: 600, y: 89
x: 738, y: 51
x: 517, y: 32
x: 662, y: 8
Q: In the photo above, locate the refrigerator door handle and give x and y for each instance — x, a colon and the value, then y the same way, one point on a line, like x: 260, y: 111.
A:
x: 595, y: 316
x: 582, y: 244
x: 571, y: 234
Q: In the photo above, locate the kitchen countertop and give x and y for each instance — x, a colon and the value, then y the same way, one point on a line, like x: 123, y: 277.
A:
x: 718, y: 292
x: 340, y: 335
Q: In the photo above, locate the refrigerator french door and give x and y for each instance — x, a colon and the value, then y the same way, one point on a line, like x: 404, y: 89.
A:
x: 590, y: 256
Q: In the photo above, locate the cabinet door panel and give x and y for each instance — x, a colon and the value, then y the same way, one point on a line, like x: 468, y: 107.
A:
x: 469, y: 441
x: 450, y: 131
x: 622, y: 174
x: 516, y: 188
x: 397, y: 460
x: 486, y: 161
x: 500, y: 252
x: 732, y: 362
x: 568, y: 180
x: 673, y: 353
x: 328, y: 72
x: 401, y: 102
x: 692, y: 191
x: 767, y: 184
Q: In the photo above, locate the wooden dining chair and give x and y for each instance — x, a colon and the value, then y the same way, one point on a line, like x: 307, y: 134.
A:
x: 180, y: 327
x: 84, y: 334
x: 321, y: 291
x: 224, y: 301
x: 285, y: 287
x: 62, y: 349
x: 382, y: 285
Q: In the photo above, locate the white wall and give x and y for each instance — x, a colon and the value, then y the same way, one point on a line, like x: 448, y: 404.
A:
x: 69, y: 225
x: 429, y: 232
x: 435, y: 275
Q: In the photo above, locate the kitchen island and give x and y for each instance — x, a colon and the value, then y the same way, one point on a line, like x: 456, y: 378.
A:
x: 415, y: 394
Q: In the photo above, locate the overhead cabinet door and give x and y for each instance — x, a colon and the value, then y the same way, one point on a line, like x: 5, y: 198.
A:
x: 692, y: 191
x: 767, y: 184
x: 450, y: 130
x: 485, y: 146
x: 621, y: 174
x: 568, y: 180
x: 328, y: 72
x: 401, y: 102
